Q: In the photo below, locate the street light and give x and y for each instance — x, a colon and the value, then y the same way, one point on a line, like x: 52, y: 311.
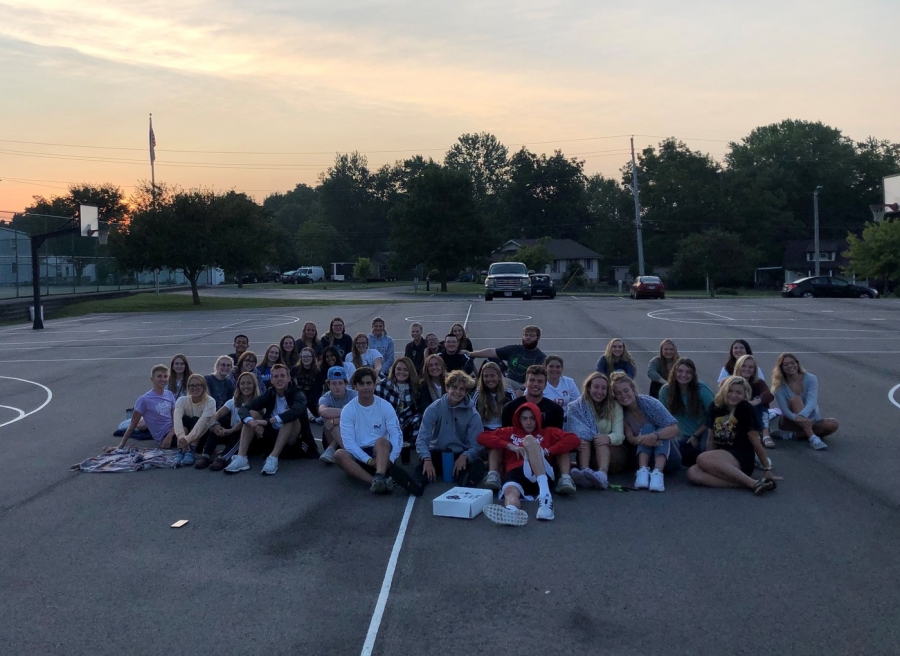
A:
x: 816, y: 218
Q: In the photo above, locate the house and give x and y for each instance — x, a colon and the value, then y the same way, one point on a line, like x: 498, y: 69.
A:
x: 566, y: 253
x: 800, y: 260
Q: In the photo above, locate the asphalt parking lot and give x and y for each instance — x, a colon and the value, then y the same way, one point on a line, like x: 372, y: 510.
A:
x: 297, y: 563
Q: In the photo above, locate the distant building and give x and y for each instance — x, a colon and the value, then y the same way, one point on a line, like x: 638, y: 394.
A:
x: 566, y: 253
x: 800, y: 258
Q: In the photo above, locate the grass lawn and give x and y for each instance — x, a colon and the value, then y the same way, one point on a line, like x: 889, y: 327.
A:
x: 149, y: 302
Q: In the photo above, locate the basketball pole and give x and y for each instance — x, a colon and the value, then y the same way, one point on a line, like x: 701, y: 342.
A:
x: 816, y: 221
x: 637, y: 211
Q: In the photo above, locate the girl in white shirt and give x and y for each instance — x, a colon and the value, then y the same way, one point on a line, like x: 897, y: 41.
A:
x: 193, y: 415
x: 560, y: 389
x: 362, y: 355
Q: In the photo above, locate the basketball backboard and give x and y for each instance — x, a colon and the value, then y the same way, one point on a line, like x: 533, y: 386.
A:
x: 892, y: 189
x: 90, y: 225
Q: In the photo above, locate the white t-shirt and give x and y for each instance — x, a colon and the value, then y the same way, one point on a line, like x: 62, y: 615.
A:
x: 564, y: 393
x: 724, y: 374
x: 362, y: 425
x: 235, y: 418
x: 368, y: 358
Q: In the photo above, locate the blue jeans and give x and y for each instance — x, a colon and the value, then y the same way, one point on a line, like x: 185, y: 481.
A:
x: 667, y: 449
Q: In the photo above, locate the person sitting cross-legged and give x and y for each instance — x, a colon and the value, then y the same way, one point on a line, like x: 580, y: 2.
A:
x: 155, y: 409
x: 451, y: 424
x: 527, y: 450
x: 371, y: 438
x: 330, y: 406
x: 278, y: 415
x: 193, y: 416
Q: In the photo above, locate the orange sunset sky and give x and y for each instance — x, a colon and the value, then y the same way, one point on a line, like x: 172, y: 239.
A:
x: 260, y: 96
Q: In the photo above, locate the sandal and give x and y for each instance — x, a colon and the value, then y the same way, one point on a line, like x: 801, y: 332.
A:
x: 764, y: 485
x: 768, y: 442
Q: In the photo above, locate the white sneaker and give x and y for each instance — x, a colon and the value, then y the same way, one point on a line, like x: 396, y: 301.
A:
x: 642, y: 479
x: 597, y: 479
x: 816, y: 442
x: 657, y: 481
x: 492, y: 481
x: 237, y: 464
x: 328, y: 456
x: 506, y: 516
x: 545, y: 508
x: 271, y: 466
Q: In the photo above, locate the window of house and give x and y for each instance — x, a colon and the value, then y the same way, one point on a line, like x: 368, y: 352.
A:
x: 823, y: 257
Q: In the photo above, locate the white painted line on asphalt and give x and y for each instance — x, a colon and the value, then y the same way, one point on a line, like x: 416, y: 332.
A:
x: 375, y: 624
x: 39, y: 408
x: 19, y: 410
x: 466, y: 322
x: 721, y: 316
x: 891, y: 395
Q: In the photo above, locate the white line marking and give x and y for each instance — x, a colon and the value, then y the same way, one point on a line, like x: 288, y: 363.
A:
x: 466, y: 322
x: 891, y: 395
x: 40, y: 407
x: 374, y: 625
x: 721, y: 316
x: 19, y: 410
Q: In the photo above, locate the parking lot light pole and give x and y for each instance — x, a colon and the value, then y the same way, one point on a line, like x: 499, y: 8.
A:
x: 816, y: 221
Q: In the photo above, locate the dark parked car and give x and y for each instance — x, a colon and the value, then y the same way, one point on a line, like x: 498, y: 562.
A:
x: 270, y: 275
x: 248, y: 278
x: 826, y: 287
x: 295, y: 278
x: 542, y: 285
x: 648, y: 287
x: 287, y: 277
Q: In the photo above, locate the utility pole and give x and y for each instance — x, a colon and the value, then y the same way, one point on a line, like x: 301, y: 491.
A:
x: 637, y: 211
x: 816, y: 221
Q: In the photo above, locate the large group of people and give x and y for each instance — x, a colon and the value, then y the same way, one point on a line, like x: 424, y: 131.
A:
x: 515, y: 426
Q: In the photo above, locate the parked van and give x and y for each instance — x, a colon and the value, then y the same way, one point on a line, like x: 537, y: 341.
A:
x: 314, y: 273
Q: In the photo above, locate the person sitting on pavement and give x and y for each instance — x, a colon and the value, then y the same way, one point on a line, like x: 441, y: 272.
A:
x: 760, y: 398
x: 797, y: 393
x: 277, y: 416
x: 652, y: 429
x: 331, y: 357
x: 247, y: 364
x: 192, y: 418
x: 270, y: 359
x: 290, y: 354
x: 451, y: 425
x: 597, y: 419
x: 241, y: 344
x: 518, y: 357
x: 155, y: 409
x: 527, y: 447
x: 660, y: 366
x: 491, y: 395
x: 460, y: 331
x: 230, y: 435
x: 380, y: 341
x: 616, y: 358
x: 738, y: 348
x: 732, y: 442
x: 688, y: 398
x: 433, y: 375
x: 337, y: 338
x: 310, y: 338
x: 371, y: 439
x: 309, y: 379
x: 363, y: 356
x: 415, y: 349
x: 454, y: 359
x: 220, y: 383
x: 560, y: 389
x: 331, y: 404
x: 432, y: 347
x: 179, y: 372
x: 551, y: 416
x: 402, y: 390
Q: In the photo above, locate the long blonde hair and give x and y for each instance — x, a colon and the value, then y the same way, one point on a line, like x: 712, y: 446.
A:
x: 238, y: 397
x: 721, y: 399
x: 666, y: 366
x: 202, y: 381
x: 488, y: 406
x: 604, y: 409
x: 428, y: 381
x: 738, y: 365
x: 778, y: 375
x: 611, y: 359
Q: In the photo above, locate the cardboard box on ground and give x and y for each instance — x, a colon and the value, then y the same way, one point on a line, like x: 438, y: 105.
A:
x: 465, y: 502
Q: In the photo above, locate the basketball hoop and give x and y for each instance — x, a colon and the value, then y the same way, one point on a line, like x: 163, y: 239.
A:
x: 878, y: 211
x: 103, y: 237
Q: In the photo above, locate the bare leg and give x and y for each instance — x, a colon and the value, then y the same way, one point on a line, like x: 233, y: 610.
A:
x: 512, y: 497
x: 287, y: 434
x: 563, y: 463
x: 495, y: 457
x: 347, y: 462
x: 643, y: 460
x: 796, y: 405
x: 536, y: 455
x: 382, y: 455
x: 722, y: 466
x: 248, y: 434
x: 699, y: 477
x: 660, y: 462
x: 825, y: 427
x: 584, y: 455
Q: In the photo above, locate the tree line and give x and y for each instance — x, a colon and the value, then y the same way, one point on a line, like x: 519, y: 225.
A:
x: 698, y: 214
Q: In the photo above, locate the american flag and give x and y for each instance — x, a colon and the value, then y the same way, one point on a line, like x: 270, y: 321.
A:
x: 152, y: 143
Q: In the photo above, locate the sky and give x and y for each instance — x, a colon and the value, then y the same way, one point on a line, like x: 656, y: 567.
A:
x: 260, y: 96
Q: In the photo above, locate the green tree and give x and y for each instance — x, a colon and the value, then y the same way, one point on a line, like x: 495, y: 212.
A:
x: 318, y: 242
x: 486, y: 160
x: 362, y: 269
x: 611, y: 232
x: 877, y: 254
x: 245, y: 238
x: 437, y: 223
x: 291, y: 210
x: 536, y: 257
x: 720, y: 255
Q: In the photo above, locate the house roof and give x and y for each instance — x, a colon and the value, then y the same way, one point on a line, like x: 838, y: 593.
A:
x: 795, y: 253
x: 561, y: 249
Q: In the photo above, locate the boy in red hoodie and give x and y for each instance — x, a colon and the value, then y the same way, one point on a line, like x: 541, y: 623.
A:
x: 526, y: 450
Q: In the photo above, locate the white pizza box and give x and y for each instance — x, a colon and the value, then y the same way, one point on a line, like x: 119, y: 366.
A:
x: 465, y: 502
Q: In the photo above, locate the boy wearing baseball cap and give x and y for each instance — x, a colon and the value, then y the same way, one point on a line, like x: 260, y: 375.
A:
x: 330, y: 405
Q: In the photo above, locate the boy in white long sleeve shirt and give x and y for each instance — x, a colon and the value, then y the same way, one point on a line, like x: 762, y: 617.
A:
x: 372, y: 439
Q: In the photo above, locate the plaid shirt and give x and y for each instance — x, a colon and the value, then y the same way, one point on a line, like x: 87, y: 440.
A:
x: 408, y: 414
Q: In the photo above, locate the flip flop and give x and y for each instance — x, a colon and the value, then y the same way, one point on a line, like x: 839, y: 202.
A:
x: 768, y: 442
x: 764, y: 485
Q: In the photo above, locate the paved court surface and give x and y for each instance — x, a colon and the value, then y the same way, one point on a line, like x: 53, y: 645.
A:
x: 296, y: 563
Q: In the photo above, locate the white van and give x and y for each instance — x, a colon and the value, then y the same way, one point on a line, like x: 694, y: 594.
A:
x: 314, y: 273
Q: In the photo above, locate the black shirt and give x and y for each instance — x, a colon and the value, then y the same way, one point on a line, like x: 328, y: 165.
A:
x: 551, y: 414
x: 732, y: 431
x: 518, y: 359
x: 457, y: 362
x: 344, y: 345
x: 416, y: 353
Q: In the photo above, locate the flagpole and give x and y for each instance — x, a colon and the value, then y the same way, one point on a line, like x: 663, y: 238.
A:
x: 152, y: 159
